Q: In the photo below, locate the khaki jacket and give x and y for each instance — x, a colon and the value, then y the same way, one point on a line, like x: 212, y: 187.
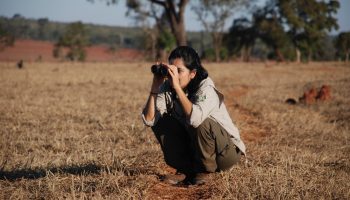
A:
x: 207, y: 102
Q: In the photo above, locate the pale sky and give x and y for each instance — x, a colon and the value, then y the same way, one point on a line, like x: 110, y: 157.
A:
x: 100, y: 13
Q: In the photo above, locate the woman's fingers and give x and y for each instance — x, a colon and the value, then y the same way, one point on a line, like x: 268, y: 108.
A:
x: 172, y: 69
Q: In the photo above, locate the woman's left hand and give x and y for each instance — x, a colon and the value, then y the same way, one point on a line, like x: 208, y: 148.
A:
x: 174, y: 74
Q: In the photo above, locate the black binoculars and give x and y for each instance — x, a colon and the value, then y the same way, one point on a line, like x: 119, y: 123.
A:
x: 160, y: 70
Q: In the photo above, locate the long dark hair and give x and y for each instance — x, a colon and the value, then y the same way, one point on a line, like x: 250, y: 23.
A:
x: 192, y: 61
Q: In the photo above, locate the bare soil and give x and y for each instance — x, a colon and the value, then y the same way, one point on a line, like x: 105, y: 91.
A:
x: 33, y: 50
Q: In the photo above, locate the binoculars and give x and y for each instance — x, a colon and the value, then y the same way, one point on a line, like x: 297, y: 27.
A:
x: 160, y: 70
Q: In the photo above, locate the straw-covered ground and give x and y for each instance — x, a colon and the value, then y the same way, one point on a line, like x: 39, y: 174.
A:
x: 73, y: 130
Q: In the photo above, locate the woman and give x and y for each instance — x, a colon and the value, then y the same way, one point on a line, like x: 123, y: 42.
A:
x: 189, y: 118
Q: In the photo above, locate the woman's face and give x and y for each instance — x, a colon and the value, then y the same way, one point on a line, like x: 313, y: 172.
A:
x: 185, y: 75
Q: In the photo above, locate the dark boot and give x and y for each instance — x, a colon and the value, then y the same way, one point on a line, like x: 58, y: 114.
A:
x: 201, y: 178
x: 196, y: 179
x: 173, y: 179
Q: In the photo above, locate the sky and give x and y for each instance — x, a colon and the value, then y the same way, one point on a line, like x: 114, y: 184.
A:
x: 113, y: 15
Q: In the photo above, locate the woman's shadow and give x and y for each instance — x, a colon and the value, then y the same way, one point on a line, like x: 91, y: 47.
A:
x: 85, y: 169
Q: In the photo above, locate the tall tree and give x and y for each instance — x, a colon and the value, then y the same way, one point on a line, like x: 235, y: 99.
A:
x: 308, y: 22
x: 160, y: 38
x: 342, y: 44
x: 174, y: 10
x: 265, y: 25
x: 241, y: 38
x: 213, y: 15
x: 75, y: 39
x: 271, y: 31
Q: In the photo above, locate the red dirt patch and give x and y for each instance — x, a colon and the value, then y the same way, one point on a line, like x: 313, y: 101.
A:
x: 252, y: 130
x: 28, y: 50
x: 32, y: 50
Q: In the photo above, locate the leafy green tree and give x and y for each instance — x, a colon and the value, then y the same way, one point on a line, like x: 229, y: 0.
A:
x: 270, y: 30
x: 75, y: 39
x: 241, y: 38
x: 265, y: 25
x: 166, y: 41
x: 342, y: 43
x: 302, y: 23
x: 308, y: 22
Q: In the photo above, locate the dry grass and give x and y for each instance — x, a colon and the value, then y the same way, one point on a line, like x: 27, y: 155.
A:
x: 74, y: 131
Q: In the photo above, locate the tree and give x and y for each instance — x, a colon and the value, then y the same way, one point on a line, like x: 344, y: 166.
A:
x: 302, y: 23
x: 75, y: 40
x: 241, y: 38
x: 271, y: 31
x: 174, y: 10
x: 213, y: 15
x: 160, y: 39
x: 166, y: 42
x: 308, y: 22
x: 43, y: 25
x: 6, y: 38
x: 342, y: 44
x: 18, y: 27
x: 265, y: 25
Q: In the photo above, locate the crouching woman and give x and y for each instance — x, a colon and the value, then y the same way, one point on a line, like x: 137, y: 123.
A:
x: 190, y: 120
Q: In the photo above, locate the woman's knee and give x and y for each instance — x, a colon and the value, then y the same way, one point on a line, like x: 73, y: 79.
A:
x: 204, y: 129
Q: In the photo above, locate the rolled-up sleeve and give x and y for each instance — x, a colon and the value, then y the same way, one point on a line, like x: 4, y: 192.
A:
x: 160, y: 109
x: 152, y: 122
x: 203, y: 105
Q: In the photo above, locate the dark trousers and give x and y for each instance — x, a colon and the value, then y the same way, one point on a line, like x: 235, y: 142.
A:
x: 207, y: 148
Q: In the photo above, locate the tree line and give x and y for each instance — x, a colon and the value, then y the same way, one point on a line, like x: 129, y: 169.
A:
x: 290, y: 29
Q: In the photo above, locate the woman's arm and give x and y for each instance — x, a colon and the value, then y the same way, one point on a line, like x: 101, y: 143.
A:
x: 184, y: 101
x: 149, y: 110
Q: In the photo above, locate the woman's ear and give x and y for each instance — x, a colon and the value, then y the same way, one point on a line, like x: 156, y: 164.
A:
x: 193, y: 73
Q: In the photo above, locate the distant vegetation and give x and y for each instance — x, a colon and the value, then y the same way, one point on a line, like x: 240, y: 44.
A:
x: 114, y: 37
x: 44, y: 29
x: 75, y: 40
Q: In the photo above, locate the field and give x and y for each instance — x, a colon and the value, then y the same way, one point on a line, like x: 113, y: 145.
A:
x: 73, y: 130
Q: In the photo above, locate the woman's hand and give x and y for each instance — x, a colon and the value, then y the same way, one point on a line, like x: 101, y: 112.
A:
x: 174, y: 76
x: 175, y: 82
x: 157, y: 82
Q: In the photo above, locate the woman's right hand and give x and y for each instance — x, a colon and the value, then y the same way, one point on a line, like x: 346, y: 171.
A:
x: 156, y: 83
x: 149, y: 110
